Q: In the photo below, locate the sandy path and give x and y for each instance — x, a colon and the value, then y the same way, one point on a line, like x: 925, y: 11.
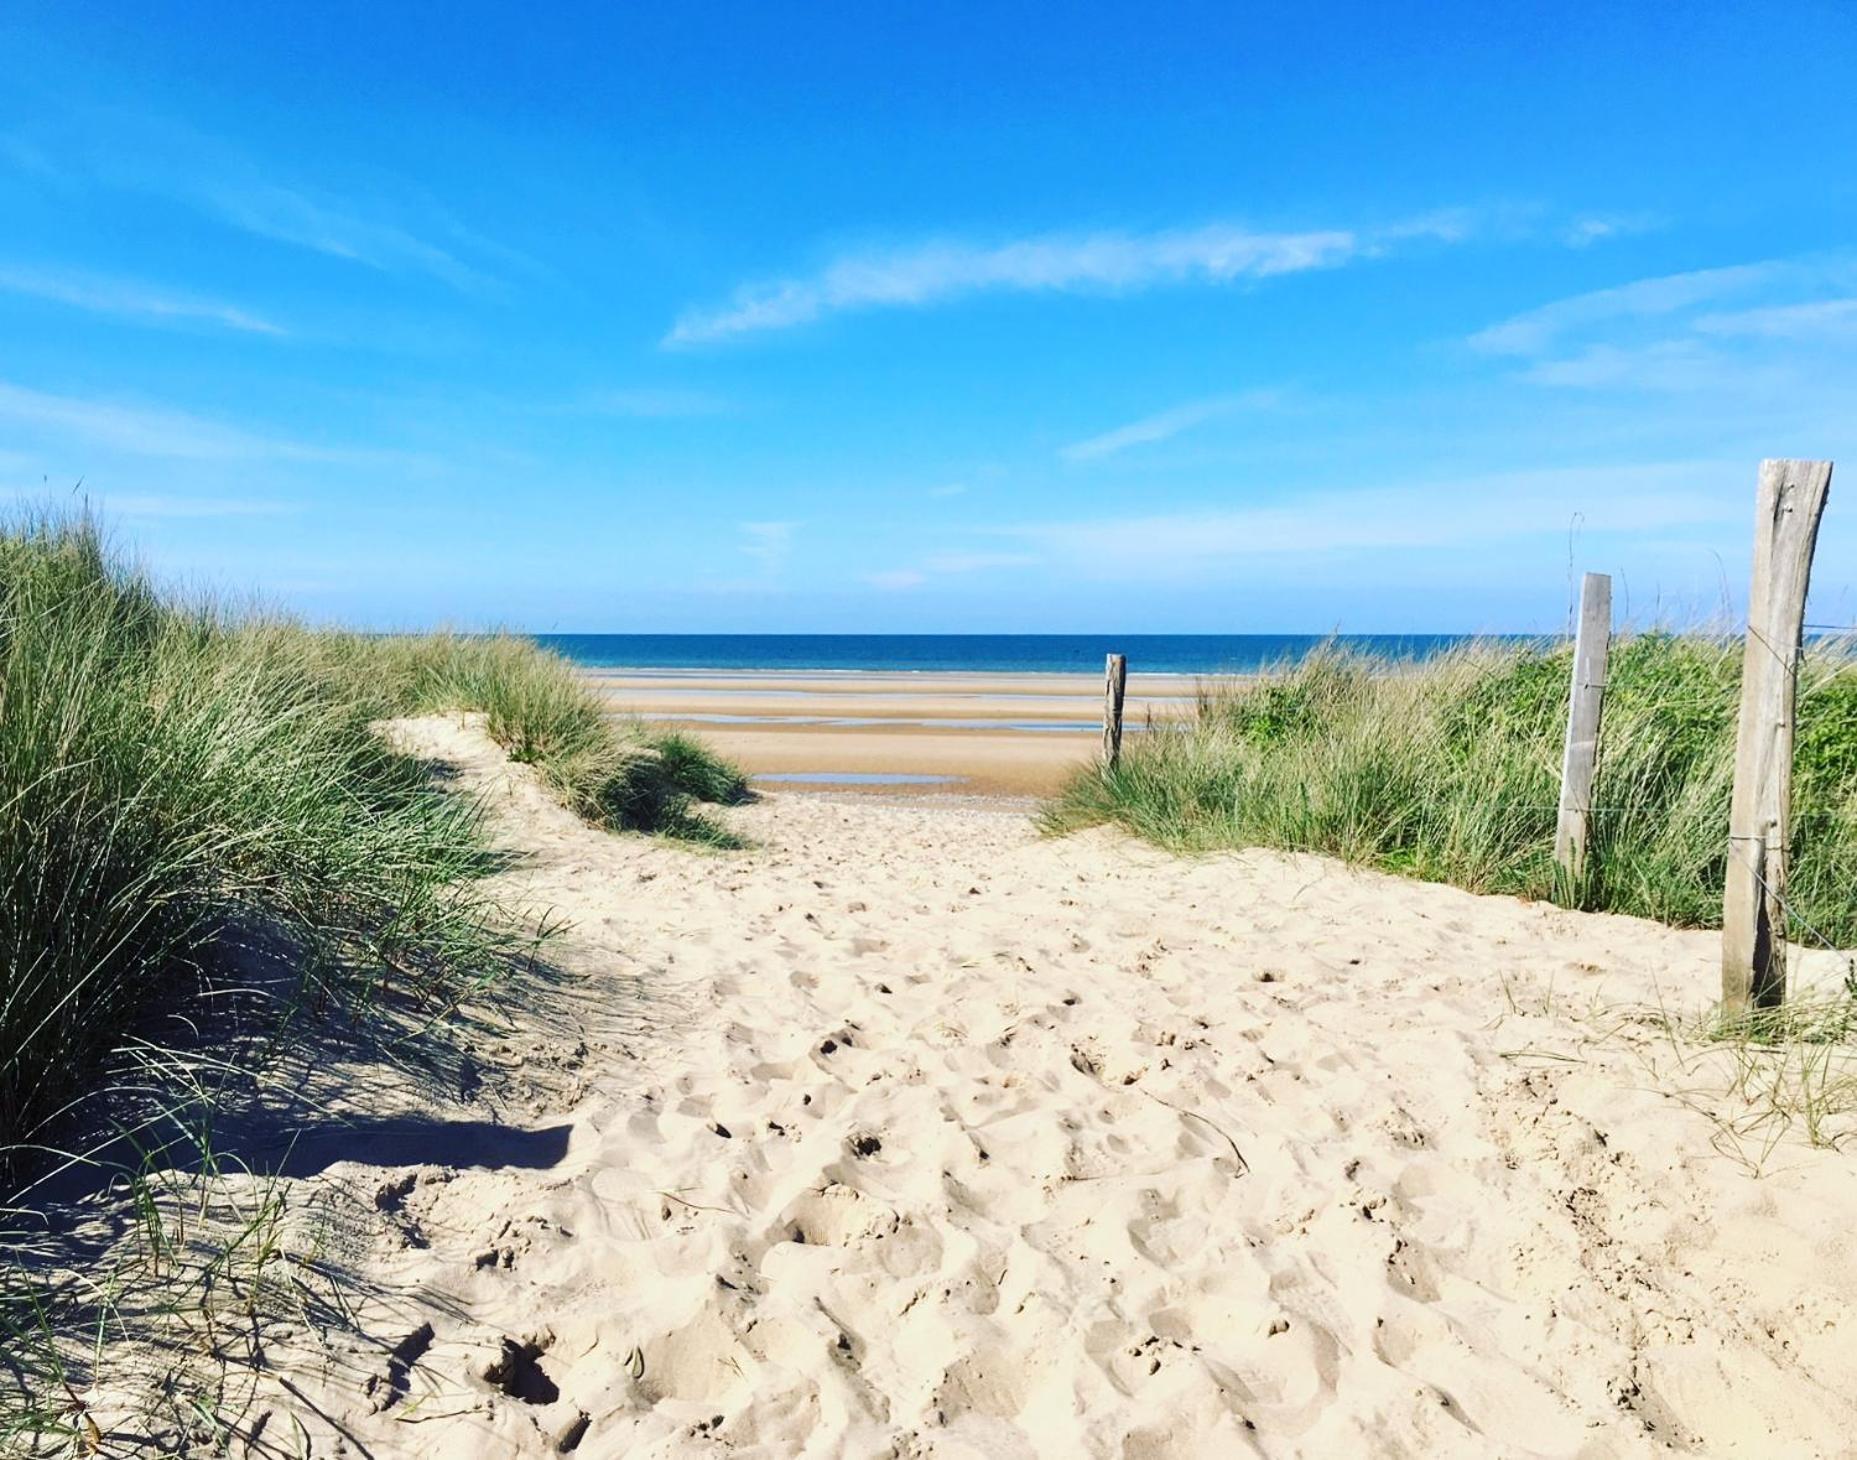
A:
x: 911, y: 1134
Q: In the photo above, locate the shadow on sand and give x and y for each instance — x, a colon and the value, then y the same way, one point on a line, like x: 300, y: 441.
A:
x: 415, y: 1141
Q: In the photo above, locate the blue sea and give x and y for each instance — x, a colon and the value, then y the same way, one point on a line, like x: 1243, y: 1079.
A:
x: 976, y: 653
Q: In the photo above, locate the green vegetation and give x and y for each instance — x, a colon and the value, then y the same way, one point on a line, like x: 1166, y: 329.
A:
x: 1450, y: 771
x: 196, y: 796
x: 172, y: 770
x: 617, y: 774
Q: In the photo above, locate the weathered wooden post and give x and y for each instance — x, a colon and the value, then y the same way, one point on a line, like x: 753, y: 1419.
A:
x: 1792, y: 500
x: 1115, y: 685
x: 1591, y: 646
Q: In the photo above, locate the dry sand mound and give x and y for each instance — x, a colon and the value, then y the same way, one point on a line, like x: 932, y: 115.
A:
x: 912, y: 1134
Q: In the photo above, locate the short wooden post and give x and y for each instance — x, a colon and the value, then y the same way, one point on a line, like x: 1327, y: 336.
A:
x: 1115, y: 685
x: 1591, y: 646
x: 1791, y: 502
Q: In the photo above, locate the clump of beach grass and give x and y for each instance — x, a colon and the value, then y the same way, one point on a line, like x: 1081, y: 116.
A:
x: 177, y: 777
x: 167, y: 769
x: 171, y: 767
x: 1448, y: 770
x: 613, y: 771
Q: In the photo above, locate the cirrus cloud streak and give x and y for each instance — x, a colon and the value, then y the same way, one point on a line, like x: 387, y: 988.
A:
x: 1103, y: 262
x: 127, y: 300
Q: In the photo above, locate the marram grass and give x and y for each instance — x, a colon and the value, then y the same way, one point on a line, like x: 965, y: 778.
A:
x: 1450, y: 771
x: 171, y: 768
x: 615, y: 773
x: 173, y: 775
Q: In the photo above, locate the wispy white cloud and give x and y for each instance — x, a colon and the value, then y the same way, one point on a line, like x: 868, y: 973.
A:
x: 1538, y: 329
x: 1672, y: 335
x: 332, y: 226
x: 1821, y: 318
x: 127, y: 299
x: 148, y: 431
x: 1451, y: 514
x: 1596, y: 228
x: 1166, y: 424
x: 1663, y: 365
x: 387, y: 226
x: 931, y: 273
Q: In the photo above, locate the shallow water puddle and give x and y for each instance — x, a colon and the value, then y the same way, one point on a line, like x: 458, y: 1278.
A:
x: 856, y: 778
x: 885, y: 722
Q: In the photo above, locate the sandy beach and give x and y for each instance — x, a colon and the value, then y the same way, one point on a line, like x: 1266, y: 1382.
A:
x: 948, y: 732
x: 910, y: 1133
x: 989, y: 734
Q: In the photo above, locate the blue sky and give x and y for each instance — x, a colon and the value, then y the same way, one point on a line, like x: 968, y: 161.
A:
x: 963, y: 317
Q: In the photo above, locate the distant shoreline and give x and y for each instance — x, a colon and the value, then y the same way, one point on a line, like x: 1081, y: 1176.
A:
x: 701, y: 671
x: 891, y: 733
x: 1180, y: 655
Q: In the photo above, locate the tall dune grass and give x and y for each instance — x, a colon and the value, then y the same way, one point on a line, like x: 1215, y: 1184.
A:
x: 171, y: 768
x: 614, y: 772
x: 1449, y: 771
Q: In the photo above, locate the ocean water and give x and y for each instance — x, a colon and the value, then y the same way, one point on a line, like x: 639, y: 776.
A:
x: 975, y: 653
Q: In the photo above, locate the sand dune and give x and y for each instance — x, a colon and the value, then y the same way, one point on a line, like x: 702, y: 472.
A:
x: 912, y: 1134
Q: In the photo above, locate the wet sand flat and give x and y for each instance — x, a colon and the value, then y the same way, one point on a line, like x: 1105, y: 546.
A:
x: 1008, y: 763
x: 875, y: 682
x: 991, y: 734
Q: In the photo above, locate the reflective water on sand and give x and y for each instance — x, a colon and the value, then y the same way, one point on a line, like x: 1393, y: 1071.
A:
x: 856, y: 778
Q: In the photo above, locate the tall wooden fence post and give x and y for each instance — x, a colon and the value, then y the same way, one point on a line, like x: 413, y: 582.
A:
x: 1792, y: 499
x: 1591, y: 646
x: 1115, y: 684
